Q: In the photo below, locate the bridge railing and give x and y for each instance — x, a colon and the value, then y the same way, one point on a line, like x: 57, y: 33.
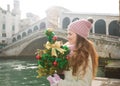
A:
x: 106, y: 37
x: 92, y: 35
x: 27, y: 38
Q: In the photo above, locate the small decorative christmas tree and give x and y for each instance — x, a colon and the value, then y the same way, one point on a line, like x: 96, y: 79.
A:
x: 54, y: 58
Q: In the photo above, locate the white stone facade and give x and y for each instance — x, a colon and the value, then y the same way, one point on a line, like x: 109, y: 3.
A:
x: 9, y: 22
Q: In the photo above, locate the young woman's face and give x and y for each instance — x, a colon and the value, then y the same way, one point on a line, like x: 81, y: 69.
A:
x: 71, y: 37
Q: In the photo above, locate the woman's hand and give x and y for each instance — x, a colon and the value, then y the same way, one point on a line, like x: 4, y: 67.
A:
x: 54, y: 80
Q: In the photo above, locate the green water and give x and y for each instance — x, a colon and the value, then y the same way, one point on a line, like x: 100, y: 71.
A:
x: 20, y: 73
x: 14, y: 72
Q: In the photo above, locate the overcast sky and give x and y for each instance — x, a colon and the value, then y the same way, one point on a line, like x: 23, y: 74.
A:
x: 39, y: 7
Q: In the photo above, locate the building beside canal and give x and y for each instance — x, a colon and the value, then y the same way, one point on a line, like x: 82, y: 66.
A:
x: 11, y: 22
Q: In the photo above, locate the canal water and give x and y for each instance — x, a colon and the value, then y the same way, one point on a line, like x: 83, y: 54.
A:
x: 22, y: 72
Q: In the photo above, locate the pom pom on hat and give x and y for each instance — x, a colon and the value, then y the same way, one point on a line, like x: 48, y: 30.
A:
x: 90, y: 19
x: 81, y: 27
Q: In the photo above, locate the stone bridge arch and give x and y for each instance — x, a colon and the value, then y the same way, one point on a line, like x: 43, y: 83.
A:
x: 29, y: 45
x: 31, y: 48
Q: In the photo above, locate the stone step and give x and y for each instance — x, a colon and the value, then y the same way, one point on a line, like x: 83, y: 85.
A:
x: 100, y: 81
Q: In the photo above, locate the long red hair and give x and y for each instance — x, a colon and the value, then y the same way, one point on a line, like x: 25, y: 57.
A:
x: 79, y: 58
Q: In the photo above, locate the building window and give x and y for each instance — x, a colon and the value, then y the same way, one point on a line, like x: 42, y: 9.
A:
x: 13, y: 28
x: 3, y: 27
x: 3, y: 41
x: 3, y: 34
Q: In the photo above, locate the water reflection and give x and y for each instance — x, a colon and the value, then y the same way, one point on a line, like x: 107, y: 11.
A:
x: 20, y: 73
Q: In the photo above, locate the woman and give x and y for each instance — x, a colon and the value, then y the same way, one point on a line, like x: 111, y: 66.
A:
x: 83, y: 59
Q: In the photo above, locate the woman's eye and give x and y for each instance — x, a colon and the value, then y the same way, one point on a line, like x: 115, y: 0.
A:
x: 69, y: 33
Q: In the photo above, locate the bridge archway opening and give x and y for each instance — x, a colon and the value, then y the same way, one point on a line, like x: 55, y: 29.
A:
x: 18, y: 37
x: 29, y: 31
x: 35, y: 28
x: 114, y: 28
x: 75, y: 19
x: 24, y: 34
x: 100, y: 27
x: 66, y: 22
x: 14, y: 39
x: 42, y: 25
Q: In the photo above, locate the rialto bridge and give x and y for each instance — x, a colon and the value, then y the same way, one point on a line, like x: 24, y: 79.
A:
x: 105, y: 34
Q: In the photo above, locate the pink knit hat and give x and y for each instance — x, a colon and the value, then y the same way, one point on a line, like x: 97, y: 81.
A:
x: 81, y: 27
